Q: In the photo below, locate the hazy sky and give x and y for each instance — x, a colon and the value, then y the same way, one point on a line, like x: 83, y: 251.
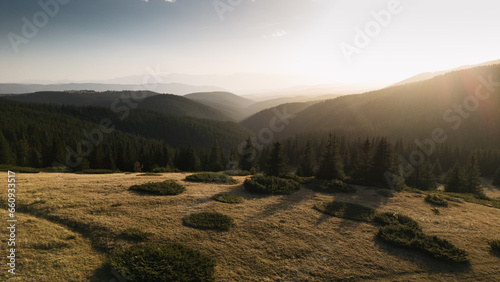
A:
x: 84, y: 40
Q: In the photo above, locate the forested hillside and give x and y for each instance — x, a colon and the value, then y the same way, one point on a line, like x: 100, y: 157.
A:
x: 36, y: 135
x: 410, y: 111
x: 165, y: 103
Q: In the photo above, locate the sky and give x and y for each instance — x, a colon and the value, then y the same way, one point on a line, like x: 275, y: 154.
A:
x: 309, y: 41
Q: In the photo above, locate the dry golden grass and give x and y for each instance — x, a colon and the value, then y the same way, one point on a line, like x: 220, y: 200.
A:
x: 274, y: 238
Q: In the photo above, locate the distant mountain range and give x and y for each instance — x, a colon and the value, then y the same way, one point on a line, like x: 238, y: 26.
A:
x: 171, y: 88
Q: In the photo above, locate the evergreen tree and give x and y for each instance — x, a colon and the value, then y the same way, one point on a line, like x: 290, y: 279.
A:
x: 35, y: 159
x: 427, y: 179
x: 307, y: 162
x: 496, y: 178
x: 249, y: 157
x: 382, y: 163
x: 454, y: 179
x: 472, y: 175
x: 233, y: 160
x: 331, y: 166
x: 276, y: 163
x: 437, y: 170
x: 6, y: 154
x: 215, y: 158
x: 23, y: 152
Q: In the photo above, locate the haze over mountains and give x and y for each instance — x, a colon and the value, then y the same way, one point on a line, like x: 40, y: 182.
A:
x: 407, y: 111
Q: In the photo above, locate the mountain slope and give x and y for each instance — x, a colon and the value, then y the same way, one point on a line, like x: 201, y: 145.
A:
x: 228, y: 103
x: 429, y: 75
x: 410, y: 111
x: 165, y: 103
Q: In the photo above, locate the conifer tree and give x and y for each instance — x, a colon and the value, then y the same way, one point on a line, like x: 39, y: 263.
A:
x: 331, y: 166
x: 6, y: 154
x: 23, y: 152
x: 496, y: 178
x: 472, y: 175
x: 427, y: 179
x: 454, y: 179
x: 249, y: 157
x: 35, y: 159
x: 276, y: 163
x: 307, y: 162
x: 437, y: 170
x: 215, y: 158
x: 381, y: 164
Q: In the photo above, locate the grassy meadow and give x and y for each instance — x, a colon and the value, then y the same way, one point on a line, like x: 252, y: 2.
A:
x: 70, y: 224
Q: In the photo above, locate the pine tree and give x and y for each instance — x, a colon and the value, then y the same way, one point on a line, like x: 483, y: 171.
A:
x: 437, y: 170
x: 215, y: 158
x: 331, y: 166
x: 382, y: 163
x: 23, y: 152
x: 249, y: 156
x: 454, y: 179
x: 35, y: 159
x: 307, y: 162
x: 6, y: 154
x: 276, y: 163
x: 427, y: 180
x: 496, y: 178
x: 233, y: 160
x: 472, y: 175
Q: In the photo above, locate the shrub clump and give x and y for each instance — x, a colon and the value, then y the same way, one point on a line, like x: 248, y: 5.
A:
x: 271, y: 185
x: 158, y: 262
x: 389, y: 218
x: 165, y: 188
x: 495, y: 245
x: 209, y: 220
x: 436, y: 200
x: 135, y: 234
x: 98, y: 171
x: 237, y: 172
x: 399, y: 230
x: 413, y: 238
x: 347, y: 210
x: 336, y: 186
x: 211, y: 177
x: 228, y: 198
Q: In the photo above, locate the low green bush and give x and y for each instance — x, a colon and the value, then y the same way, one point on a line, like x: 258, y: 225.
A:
x: 158, y: 262
x: 150, y: 174
x: 228, y: 198
x: 412, y: 238
x: 399, y: 230
x: 336, y: 186
x: 495, y: 245
x: 347, y: 210
x: 19, y: 169
x: 164, y: 169
x: 98, y: 171
x: 211, y: 177
x: 209, y: 220
x: 237, y: 172
x: 389, y: 218
x: 165, y: 188
x: 271, y: 185
x: 135, y: 234
x: 436, y: 200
